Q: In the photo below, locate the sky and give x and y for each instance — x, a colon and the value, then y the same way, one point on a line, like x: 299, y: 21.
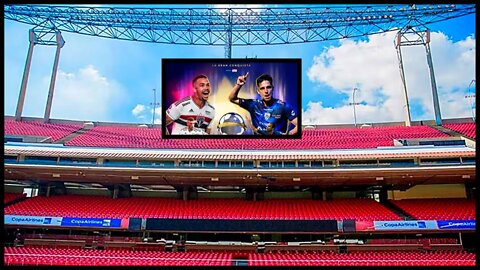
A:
x: 108, y: 80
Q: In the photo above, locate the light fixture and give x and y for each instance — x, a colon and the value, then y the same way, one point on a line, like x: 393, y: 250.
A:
x: 379, y: 178
x: 215, y: 179
x: 134, y: 177
x: 296, y: 179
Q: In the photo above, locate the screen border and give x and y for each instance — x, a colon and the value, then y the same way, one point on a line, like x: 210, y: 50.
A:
x: 297, y: 61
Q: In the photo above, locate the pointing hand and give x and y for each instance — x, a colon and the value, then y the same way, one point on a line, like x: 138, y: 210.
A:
x: 241, y: 79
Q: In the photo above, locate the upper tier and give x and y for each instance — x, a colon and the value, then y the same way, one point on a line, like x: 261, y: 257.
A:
x: 141, y: 137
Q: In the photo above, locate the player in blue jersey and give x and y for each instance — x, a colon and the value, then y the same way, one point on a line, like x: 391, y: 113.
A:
x: 269, y: 116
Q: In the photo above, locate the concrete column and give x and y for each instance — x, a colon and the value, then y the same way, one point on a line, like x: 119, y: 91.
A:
x: 26, y: 72
x: 48, y: 108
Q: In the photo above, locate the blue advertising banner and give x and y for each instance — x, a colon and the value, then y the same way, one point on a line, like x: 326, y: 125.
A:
x: 405, y: 225
x: 92, y: 222
x: 456, y: 224
x: 32, y: 220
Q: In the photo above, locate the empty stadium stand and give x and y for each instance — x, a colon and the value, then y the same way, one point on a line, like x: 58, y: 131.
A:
x: 438, y: 209
x: 365, y: 258
x: 38, y: 128
x: 86, y: 257
x: 286, y: 209
x: 104, y: 136
x: 141, y: 137
x: 90, y: 193
x: 111, y: 136
x: 467, y: 129
x: 67, y: 256
x: 341, y: 204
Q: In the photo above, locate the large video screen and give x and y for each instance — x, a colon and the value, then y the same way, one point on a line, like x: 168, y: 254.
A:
x: 214, y: 98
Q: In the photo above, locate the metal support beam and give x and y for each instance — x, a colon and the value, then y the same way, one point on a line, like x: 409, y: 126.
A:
x: 249, y: 26
x: 228, y: 44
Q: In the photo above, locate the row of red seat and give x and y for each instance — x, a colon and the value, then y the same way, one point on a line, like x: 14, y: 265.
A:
x: 107, y: 136
x: 83, y: 257
x: 143, y: 207
x: 364, y: 258
x: 467, y: 129
x: 138, y: 137
x: 38, y: 128
x: 61, y: 256
x: 148, y: 207
x: 438, y: 209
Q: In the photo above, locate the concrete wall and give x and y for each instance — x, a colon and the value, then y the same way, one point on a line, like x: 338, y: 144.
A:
x: 430, y: 191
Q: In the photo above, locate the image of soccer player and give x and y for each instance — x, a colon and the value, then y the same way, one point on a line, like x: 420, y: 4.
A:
x: 191, y: 129
x: 269, y: 116
x: 194, y: 108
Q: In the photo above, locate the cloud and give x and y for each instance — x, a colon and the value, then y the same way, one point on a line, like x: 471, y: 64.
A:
x: 316, y: 113
x: 237, y: 7
x: 85, y: 95
x: 144, y: 113
x: 158, y: 115
x: 250, y: 9
x: 371, y: 65
x: 138, y: 110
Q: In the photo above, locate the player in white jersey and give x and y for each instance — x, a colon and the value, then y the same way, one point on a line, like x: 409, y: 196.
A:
x: 193, y: 108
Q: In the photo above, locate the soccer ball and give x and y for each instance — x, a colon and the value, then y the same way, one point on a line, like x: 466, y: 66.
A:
x: 231, y: 124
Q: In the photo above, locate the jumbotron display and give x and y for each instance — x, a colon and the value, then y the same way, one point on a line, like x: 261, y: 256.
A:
x: 213, y: 98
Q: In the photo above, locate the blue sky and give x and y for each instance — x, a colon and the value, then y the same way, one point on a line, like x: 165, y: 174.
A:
x: 108, y: 80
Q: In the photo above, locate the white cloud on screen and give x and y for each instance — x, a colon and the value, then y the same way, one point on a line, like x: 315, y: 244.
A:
x: 371, y: 65
x: 85, y: 95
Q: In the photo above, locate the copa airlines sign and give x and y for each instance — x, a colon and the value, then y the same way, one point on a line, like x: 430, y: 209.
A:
x: 92, y: 222
x: 456, y: 224
x: 405, y: 225
x: 32, y: 220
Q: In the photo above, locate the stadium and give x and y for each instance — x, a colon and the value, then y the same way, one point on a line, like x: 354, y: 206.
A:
x: 100, y: 193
